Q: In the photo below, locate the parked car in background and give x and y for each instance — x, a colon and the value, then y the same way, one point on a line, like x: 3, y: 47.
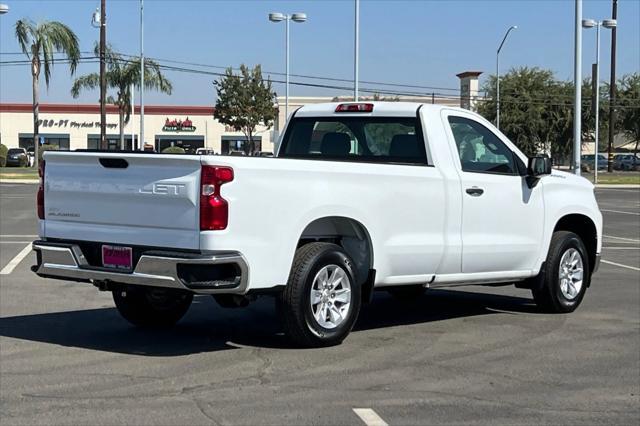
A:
x: 17, y: 157
x: 205, y: 151
x: 626, y: 162
x: 589, y: 160
x: 263, y: 154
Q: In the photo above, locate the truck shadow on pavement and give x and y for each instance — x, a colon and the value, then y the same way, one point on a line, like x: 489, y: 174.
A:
x: 209, y: 328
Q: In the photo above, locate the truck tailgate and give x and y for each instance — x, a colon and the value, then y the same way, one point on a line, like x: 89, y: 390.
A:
x: 137, y: 199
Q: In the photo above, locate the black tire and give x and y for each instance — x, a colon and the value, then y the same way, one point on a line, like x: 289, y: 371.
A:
x: 407, y: 293
x: 294, y: 303
x: 152, y: 307
x: 549, y: 297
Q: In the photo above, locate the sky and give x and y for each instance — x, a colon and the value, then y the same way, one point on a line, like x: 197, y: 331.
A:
x: 419, y: 42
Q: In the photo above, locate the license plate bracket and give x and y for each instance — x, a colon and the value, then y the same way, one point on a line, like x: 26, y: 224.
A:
x: 117, y: 257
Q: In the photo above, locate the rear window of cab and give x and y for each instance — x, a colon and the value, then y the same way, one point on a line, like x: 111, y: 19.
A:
x: 359, y: 139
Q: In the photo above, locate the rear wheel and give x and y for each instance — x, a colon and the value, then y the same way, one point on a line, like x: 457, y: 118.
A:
x: 321, y: 301
x: 567, y: 274
x: 152, y: 307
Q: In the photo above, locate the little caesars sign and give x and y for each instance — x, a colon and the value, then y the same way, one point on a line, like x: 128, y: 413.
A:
x: 177, y: 125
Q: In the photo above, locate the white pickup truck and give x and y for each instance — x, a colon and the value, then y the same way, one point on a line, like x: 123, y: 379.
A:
x: 361, y: 196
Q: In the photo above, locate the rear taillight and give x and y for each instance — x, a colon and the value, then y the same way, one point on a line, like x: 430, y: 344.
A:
x: 354, y: 108
x: 40, y: 196
x: 214, y: 210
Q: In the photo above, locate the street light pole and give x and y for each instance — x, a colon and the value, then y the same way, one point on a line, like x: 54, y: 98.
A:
x: 612, y: 90
x: 103, y: 77
x: 141, y: 75
x: 577, y: 80
x: 597, y: 83
x: 610, y: 24
x: 513, y: 27
x: 286, y: 88
x: 356, y: 51
x: 279, y: 17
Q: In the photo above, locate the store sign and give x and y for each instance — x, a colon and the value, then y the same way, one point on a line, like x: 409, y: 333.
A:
x: 177, y: 125
x: 62, y: 123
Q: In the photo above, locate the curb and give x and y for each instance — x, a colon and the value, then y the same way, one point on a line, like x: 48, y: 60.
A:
x: 22, y: 181
x: 618, y: 186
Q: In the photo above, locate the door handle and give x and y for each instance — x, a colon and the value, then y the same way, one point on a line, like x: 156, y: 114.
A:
x: 474, y: 191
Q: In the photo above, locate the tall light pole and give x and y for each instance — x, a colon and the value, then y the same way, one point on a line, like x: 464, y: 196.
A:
x: 279, y: 17
x: 141, y: 142
x: 98, y: 20
x: 356, y: 51
x: 577, y: 83
x: 513, y: 27
x: 590, y: 23
x: 612, y: 90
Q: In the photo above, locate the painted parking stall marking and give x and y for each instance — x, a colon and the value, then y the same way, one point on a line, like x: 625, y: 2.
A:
x: 16, y: 260
x: 369, y: 417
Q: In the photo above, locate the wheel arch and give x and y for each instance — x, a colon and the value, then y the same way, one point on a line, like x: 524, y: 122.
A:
x: 585, y: 228
x: 346, y: 232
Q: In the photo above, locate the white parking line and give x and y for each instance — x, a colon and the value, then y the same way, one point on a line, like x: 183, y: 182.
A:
x: 620, y: 212
x: 621, y: 248
x: 369, y: 417
x: 18, y: 236
x: 622, y: 239
x: 633, y: 268
x: 15, y: 242
x: 16, y: 260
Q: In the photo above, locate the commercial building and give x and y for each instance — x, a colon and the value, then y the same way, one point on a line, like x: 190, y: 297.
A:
x: 77, y: 126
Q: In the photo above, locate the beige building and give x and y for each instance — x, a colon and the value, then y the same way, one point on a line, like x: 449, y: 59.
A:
x: 73, y: 126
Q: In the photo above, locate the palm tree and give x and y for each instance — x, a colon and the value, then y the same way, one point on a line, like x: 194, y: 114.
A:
x: 121, y: 75
x: 40, y: 42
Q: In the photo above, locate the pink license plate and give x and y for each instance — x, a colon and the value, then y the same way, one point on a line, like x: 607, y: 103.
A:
x: 116, y: 257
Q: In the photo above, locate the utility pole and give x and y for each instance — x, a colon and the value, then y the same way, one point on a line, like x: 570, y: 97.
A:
x: 577, y: 82
x: 141, y: 75
x: 356, y: 51
x: 612, y: 90
x: 103, y: 77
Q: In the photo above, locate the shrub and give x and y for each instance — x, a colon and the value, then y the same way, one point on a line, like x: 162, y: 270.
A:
x: 3, y: 155
x: 173, y: 150
x: 46, y: 147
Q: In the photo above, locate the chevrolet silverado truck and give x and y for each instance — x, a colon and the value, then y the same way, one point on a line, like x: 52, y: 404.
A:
x: 360, y: 196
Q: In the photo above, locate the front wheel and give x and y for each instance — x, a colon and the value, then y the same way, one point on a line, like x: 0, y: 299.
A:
x: 321, y: 301
x: 567, y: 275
x: 152, y: 307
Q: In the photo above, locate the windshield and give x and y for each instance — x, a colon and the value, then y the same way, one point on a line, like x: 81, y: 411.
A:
x: 15, y: 151
x: 367, y: 139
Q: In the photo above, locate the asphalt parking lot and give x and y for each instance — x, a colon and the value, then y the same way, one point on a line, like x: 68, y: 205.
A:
x: 478, y: 355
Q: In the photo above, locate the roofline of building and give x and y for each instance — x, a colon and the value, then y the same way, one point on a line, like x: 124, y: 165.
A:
x: 469, y: 74
x: 111, y: 109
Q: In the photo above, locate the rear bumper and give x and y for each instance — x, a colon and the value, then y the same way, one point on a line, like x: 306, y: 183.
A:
x: 154, y: 269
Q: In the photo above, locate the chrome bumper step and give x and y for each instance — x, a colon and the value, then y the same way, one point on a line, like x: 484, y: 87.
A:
x: 154, y: 268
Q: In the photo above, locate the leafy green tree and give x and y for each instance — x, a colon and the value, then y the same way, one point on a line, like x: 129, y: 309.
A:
x: 244, y: 102
x: 628, y: 100
x: 536, y: 111
x: 121, y: 74
x: 39, y: 42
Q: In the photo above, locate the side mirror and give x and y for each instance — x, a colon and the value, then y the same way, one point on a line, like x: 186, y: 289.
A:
x: 539, y: 166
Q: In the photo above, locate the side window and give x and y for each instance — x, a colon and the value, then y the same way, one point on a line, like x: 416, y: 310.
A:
x: 480, y: 149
